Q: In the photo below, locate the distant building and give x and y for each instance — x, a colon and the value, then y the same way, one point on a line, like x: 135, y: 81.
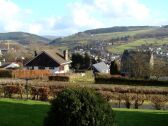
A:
x: 50, y: 60
x: 100, y: 68
x: 2, y: 52
x: 12, y: 65
x: 138, y: 64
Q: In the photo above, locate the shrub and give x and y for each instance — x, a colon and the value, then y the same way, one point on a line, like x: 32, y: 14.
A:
x: 107, y: 79
x: 128, y: 100
x: 6, y: 73
x: 80, y: 107
x: 59, y: 78
x: 41, y: 93
x: 138, y: 100
x: 159, y: 101
x: 9, y: 90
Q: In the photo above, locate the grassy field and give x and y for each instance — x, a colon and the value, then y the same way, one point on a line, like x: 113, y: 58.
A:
x: 102, y: 36
x: 88, y: 78
x: 31, y: 113
x: 134, y: 44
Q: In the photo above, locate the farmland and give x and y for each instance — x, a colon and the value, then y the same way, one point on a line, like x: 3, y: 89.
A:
x: 137, y: 43
x: 31, y: 113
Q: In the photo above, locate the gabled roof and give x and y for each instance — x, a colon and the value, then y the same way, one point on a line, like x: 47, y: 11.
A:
x: 55, y: 55
x: 101, y: 67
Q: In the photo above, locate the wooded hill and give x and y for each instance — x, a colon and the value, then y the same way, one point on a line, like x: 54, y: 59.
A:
x: 23, y: 38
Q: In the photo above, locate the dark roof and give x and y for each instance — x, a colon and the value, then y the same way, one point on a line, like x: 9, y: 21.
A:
x: 101, y: 67
x: 57, y: 56
x: 54, y: 55
x: 4, y: 65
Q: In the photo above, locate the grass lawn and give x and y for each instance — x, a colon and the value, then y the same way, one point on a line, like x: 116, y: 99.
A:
x: 31, y: 113
x: 88, y: 78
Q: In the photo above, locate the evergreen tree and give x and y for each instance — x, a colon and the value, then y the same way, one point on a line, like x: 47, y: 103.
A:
x: 80, y: 107
x: 87, y: 61
x: 114, y: 69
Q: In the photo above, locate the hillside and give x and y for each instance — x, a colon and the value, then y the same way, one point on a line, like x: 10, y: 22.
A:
x: 104, y: 34
x: 154, y: 37
x: 121, y: 37
x: 118, y: 29
x: 23, y: 38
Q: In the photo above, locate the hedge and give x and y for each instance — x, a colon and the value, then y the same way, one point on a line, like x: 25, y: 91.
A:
x: 5, y: 74
x: 108, y: 79
x: 59, y: 78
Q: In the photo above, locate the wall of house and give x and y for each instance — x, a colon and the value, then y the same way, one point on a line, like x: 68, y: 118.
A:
x: 66, y: 68
x: 54, y: 70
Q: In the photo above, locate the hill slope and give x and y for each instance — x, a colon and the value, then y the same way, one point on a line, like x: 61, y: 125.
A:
x: 102, y: 34
x: 121, y: 37
x: 23, y: 38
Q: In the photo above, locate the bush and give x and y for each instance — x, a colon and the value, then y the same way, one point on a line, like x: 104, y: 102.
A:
x: 80, y: 107
x: 9, y: 90
x: 159, y: 101
x: 40, y: 93
x: 6, y: 73
x: 59, y: 78
x: 108, y: 79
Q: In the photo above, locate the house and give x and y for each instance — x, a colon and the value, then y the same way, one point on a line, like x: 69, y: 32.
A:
x: 12, y: 65
x: 100, y: 68
x: 2, y: 52
x: 51, y: 60
x: 136, y: 63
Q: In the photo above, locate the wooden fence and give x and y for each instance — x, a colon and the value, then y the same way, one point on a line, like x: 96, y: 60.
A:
x: 30, y: 73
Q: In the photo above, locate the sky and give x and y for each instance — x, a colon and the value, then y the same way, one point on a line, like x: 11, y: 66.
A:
x: 66, y: 17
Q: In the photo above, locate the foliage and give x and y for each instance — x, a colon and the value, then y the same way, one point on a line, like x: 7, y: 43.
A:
x: 114, y: 68
x: 77, y: 61
x: 9, y: 90
x: 6, y: 73
x: 80, y: 62
x: 59, y: 78
x: 108, y: 79
x: 159, y: 101
x: 40, y: 93
x: 80, y: 107
x: 138, y: 100
x: 87, y: 61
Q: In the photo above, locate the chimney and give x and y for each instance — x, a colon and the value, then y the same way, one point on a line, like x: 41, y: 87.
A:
x: 35, y: 53
x: 65, y: 54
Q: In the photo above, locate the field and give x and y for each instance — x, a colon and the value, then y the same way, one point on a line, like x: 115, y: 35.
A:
x: 87, y: 38
x: 31, y: 113
x: 134, y: 44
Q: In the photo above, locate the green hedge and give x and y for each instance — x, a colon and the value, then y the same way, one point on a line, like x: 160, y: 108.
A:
x: 108, y: 79
x: 5, y: 74
x: 59, y: 78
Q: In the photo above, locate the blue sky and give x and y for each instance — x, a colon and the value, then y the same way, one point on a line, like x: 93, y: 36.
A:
x: 65, y: 17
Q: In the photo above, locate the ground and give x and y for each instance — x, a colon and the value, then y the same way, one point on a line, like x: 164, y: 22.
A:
x: 31, y: 113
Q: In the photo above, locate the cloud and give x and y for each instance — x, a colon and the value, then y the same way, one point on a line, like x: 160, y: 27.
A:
x: 12, y: 17
x: 122, y: 8
x: 82, y: 15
